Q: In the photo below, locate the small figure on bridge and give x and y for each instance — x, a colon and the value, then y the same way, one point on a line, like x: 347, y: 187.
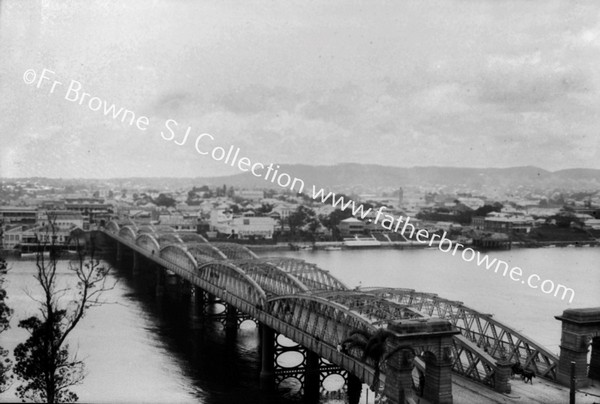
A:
x: 527, y: 376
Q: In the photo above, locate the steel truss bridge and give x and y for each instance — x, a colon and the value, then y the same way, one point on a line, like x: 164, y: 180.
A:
x: 313, y: 308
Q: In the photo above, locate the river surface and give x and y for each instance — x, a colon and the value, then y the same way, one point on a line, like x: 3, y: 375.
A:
x: 140, y: 348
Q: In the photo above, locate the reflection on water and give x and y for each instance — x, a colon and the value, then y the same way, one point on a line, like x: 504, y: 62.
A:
x: 517, y: 305
x: 144, y: 348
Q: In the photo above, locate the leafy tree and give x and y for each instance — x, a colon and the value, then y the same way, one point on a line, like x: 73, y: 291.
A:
x: 565, y: 218
x: 332, y: 220
x: 5, y: 313
x: 300, y: 217
x: 165, y: 200
x: 44, y: 363
x: 485, y: 209
x: 264, y: 209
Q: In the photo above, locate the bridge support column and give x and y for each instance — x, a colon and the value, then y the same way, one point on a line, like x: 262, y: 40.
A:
x: 231, y: 320
x: 119, y: 252
x: 198, y: 297
x: 312, y: 372
x: 579, y: 328
x: 502, y: 377
x: 438, y: 382
x: 434, y: 337
x: 267, y: 354
x: 135, y: 268
x: 400, y: 386
x: 594, y: 372
x: 160, y: 281
x: 354, y: 389
x: 185, y: 289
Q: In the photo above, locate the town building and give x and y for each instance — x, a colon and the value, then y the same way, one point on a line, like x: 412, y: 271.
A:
x: 179, y: 222
x: 501, y: 222
x: 250, y: 195
x: 243, y: 227
x: 18, y: 214
x: 351, y: 227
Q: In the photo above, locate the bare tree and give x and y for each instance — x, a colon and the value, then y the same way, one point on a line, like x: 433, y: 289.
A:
x: 44, y: 362
x: 5, y: 314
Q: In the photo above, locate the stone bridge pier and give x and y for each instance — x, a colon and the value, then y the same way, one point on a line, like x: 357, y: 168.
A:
x: 580, y: 329
x: 431, y: 341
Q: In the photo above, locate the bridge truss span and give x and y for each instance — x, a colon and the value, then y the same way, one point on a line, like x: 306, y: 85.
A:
x: 377, y: 309
x: 235, y: 251
x: 148, y: 242
x: 309, y: 274
x: 113, y: 227
x: 272, y: 279
x: 233, y: 280
x: 495, y: 338
x: 315, y: 309
x: 325, y: 320
x: 180, y: 256
x: 128, y: 232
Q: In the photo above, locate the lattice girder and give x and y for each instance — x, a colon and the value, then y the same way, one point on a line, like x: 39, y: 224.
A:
x: 235, y: 251
x: 128, y: 232
x: 376, y: 309
x: 205, y: 249
x: 148, y: 242
x: 147, y: 228
x: 497, y: 338
x: 233, y: 280
x: 327, y: 321
x: 112, y: 227
x: 192, y: 238
x: 165, y: 239
x: 309, y: 274
x: 179, y: 255
x: 272, y: 279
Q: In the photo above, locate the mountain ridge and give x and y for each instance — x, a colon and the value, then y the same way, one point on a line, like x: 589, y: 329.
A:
x: 359, y: 176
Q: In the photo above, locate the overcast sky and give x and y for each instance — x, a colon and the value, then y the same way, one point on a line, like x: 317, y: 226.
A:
x: 471, y: 83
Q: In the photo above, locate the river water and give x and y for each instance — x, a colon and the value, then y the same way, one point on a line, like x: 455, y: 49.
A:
x: 140, y: 348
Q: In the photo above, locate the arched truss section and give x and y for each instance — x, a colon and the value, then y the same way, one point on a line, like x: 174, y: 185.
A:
x: 309, y: 274
x: 147, y: 228
x: 113, y: 227
x: 148, y: 242
x: 163, y: 228
x: 271, y: 279
x: 235, y: 251
x: 494, y: 337
x: 192, y: 238
x: 128, y: 232
x: 206, y: 250
x: 471, y: 361
x: 180, y: 256
x: 232, y: 280
x: 323, y: 319
x: 168, y: 238
x: 375, y: 308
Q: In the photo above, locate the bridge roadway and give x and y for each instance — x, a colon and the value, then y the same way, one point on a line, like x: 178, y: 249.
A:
x: 317, y: 311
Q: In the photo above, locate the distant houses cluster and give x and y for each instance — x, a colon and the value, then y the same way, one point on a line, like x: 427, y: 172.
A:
x: 269, y: 216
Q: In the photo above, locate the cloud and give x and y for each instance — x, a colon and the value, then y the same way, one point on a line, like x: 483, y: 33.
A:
x: 529, y: 82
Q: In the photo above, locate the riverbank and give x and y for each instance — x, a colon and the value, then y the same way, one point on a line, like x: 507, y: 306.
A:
x: 400, y: 245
